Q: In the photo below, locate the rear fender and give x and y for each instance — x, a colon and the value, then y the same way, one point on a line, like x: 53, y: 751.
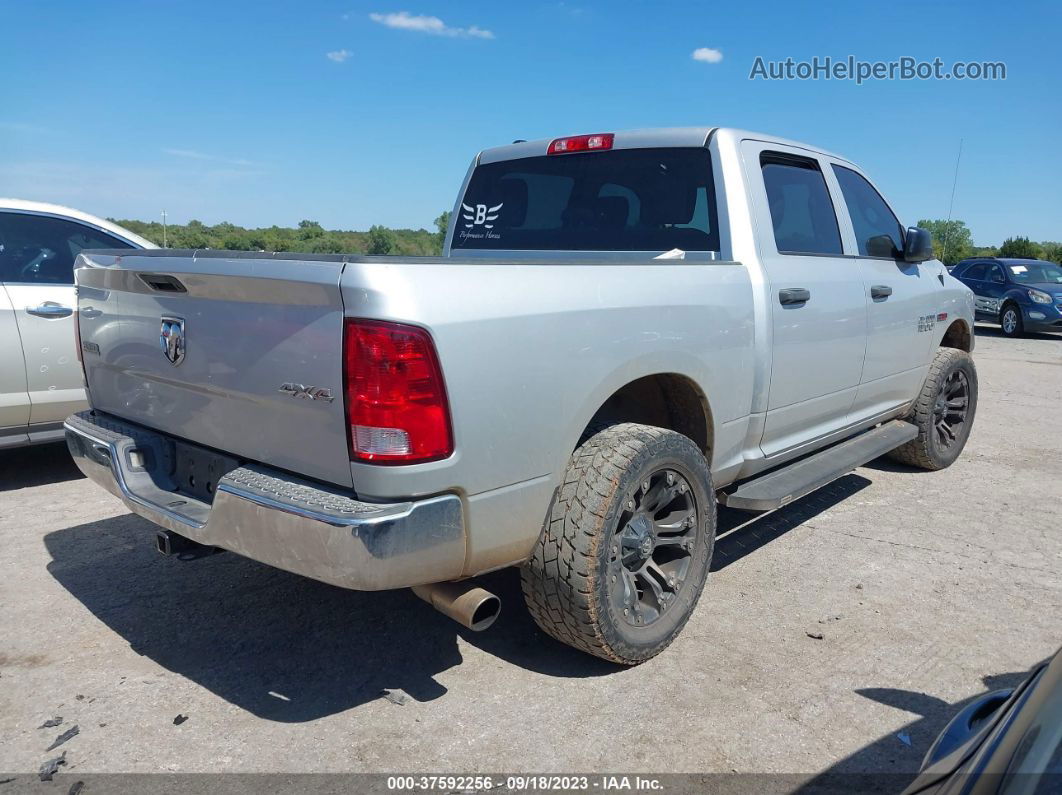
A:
x: 676, y: 363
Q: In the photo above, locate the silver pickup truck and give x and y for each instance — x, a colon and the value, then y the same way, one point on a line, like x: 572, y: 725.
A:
x: 624, y: 330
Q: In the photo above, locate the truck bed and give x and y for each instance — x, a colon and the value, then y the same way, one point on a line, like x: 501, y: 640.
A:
x: 529, y: 351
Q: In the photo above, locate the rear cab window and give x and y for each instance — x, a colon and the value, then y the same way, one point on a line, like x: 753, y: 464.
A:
x: 653, y: 199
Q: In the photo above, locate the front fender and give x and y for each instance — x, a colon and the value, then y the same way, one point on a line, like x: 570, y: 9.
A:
x: 1017, y: 296
x: 957, y: 302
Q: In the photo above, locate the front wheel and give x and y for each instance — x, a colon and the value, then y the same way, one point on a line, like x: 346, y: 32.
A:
x: 943, y: 412
x: 624, y: 553
x: 1010, y: 320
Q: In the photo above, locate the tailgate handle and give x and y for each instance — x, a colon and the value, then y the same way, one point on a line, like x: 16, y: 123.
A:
x: 162, y: 282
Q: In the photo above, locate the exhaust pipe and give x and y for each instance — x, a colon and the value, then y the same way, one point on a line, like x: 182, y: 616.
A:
x: 464, y: 602
x: 170, y: 543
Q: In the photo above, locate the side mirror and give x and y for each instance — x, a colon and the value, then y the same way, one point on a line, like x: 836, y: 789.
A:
x: 881, y: 246
x: 997, y: 277
x: 918, y: 247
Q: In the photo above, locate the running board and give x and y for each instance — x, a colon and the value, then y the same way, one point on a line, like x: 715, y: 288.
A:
x: 792, y: 481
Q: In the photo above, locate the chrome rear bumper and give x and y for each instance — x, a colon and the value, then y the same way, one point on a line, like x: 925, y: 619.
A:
x: 273, y: 517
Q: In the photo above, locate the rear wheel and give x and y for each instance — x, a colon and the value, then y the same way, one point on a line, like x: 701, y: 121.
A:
x: 943, y: 412
x: 1010, y: 320
x: 624, y: 553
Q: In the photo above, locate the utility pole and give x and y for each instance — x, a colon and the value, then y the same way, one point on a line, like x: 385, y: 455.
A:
x: 164, y: 230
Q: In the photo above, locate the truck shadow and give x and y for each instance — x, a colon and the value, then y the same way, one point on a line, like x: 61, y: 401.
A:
x: 890, y: 763
x: 36, y: 466
x: 278, y: 645
x: 290, y: 649
x: 741, y: 533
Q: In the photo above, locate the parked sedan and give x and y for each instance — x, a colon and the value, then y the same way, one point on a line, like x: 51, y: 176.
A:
x: 40, y: 378
x: 1019, y: 294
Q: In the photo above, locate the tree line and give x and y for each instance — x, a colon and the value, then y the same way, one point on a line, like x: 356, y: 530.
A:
x: 951, y: 239
x: 308, y: 237
x: 952, y: 242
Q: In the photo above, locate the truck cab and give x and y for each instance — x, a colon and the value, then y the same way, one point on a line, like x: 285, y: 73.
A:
x: 846, y: 320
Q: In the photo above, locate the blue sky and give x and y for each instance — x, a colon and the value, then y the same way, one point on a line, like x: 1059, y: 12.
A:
x: 235, y: 111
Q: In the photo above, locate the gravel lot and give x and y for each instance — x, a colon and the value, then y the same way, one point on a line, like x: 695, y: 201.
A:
x: 927, y: 587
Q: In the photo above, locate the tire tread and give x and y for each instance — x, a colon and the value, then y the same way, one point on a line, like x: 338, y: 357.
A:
x: 917, y: 453
x: 559, y: 580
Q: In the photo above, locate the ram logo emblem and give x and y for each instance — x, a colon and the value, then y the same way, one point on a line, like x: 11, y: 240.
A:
x: 307, y: 392
x: 171, y: 339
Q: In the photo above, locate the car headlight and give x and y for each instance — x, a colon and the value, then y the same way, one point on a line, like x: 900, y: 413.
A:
x: 1039, y: 297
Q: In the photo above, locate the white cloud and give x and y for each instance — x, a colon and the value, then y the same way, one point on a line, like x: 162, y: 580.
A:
x: 23, y: 128
x: 338, y: 55
x: 574, y: 11
x: 708, y: 55
x: 403, y: 20
x: 191, y: 154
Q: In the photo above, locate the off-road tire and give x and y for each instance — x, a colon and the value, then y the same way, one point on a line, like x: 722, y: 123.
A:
x: 565, y: 582
x: 925, y: 451
x: 1018, y: 329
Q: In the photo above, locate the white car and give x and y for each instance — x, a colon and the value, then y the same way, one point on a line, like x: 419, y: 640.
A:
x: 40, y: 377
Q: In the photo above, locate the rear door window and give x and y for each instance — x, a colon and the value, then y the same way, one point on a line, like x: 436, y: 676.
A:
x: 41, y: 249
x: 618, y: 200
x: 975, y: 272
x: 802, y: 213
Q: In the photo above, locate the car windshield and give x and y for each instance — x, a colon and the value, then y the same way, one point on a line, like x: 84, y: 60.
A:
x: 1036, y: 272
x: 620, y: 200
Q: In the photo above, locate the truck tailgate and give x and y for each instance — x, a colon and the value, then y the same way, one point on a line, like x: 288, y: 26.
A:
x: 261, y: 341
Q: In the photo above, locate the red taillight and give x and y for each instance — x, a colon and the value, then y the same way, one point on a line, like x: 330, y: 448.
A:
x: 580, y: 143
x: 395, y: 397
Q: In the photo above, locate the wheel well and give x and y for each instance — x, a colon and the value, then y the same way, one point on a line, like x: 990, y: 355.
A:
x: 957, y: 336
x: 667, y: 401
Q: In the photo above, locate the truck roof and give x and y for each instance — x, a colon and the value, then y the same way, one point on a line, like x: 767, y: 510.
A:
x: 642, y: 139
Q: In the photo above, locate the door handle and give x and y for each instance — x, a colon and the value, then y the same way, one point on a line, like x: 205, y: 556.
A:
x: 880, y: 291
x: 50, y: 310
x: 794, y: 295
